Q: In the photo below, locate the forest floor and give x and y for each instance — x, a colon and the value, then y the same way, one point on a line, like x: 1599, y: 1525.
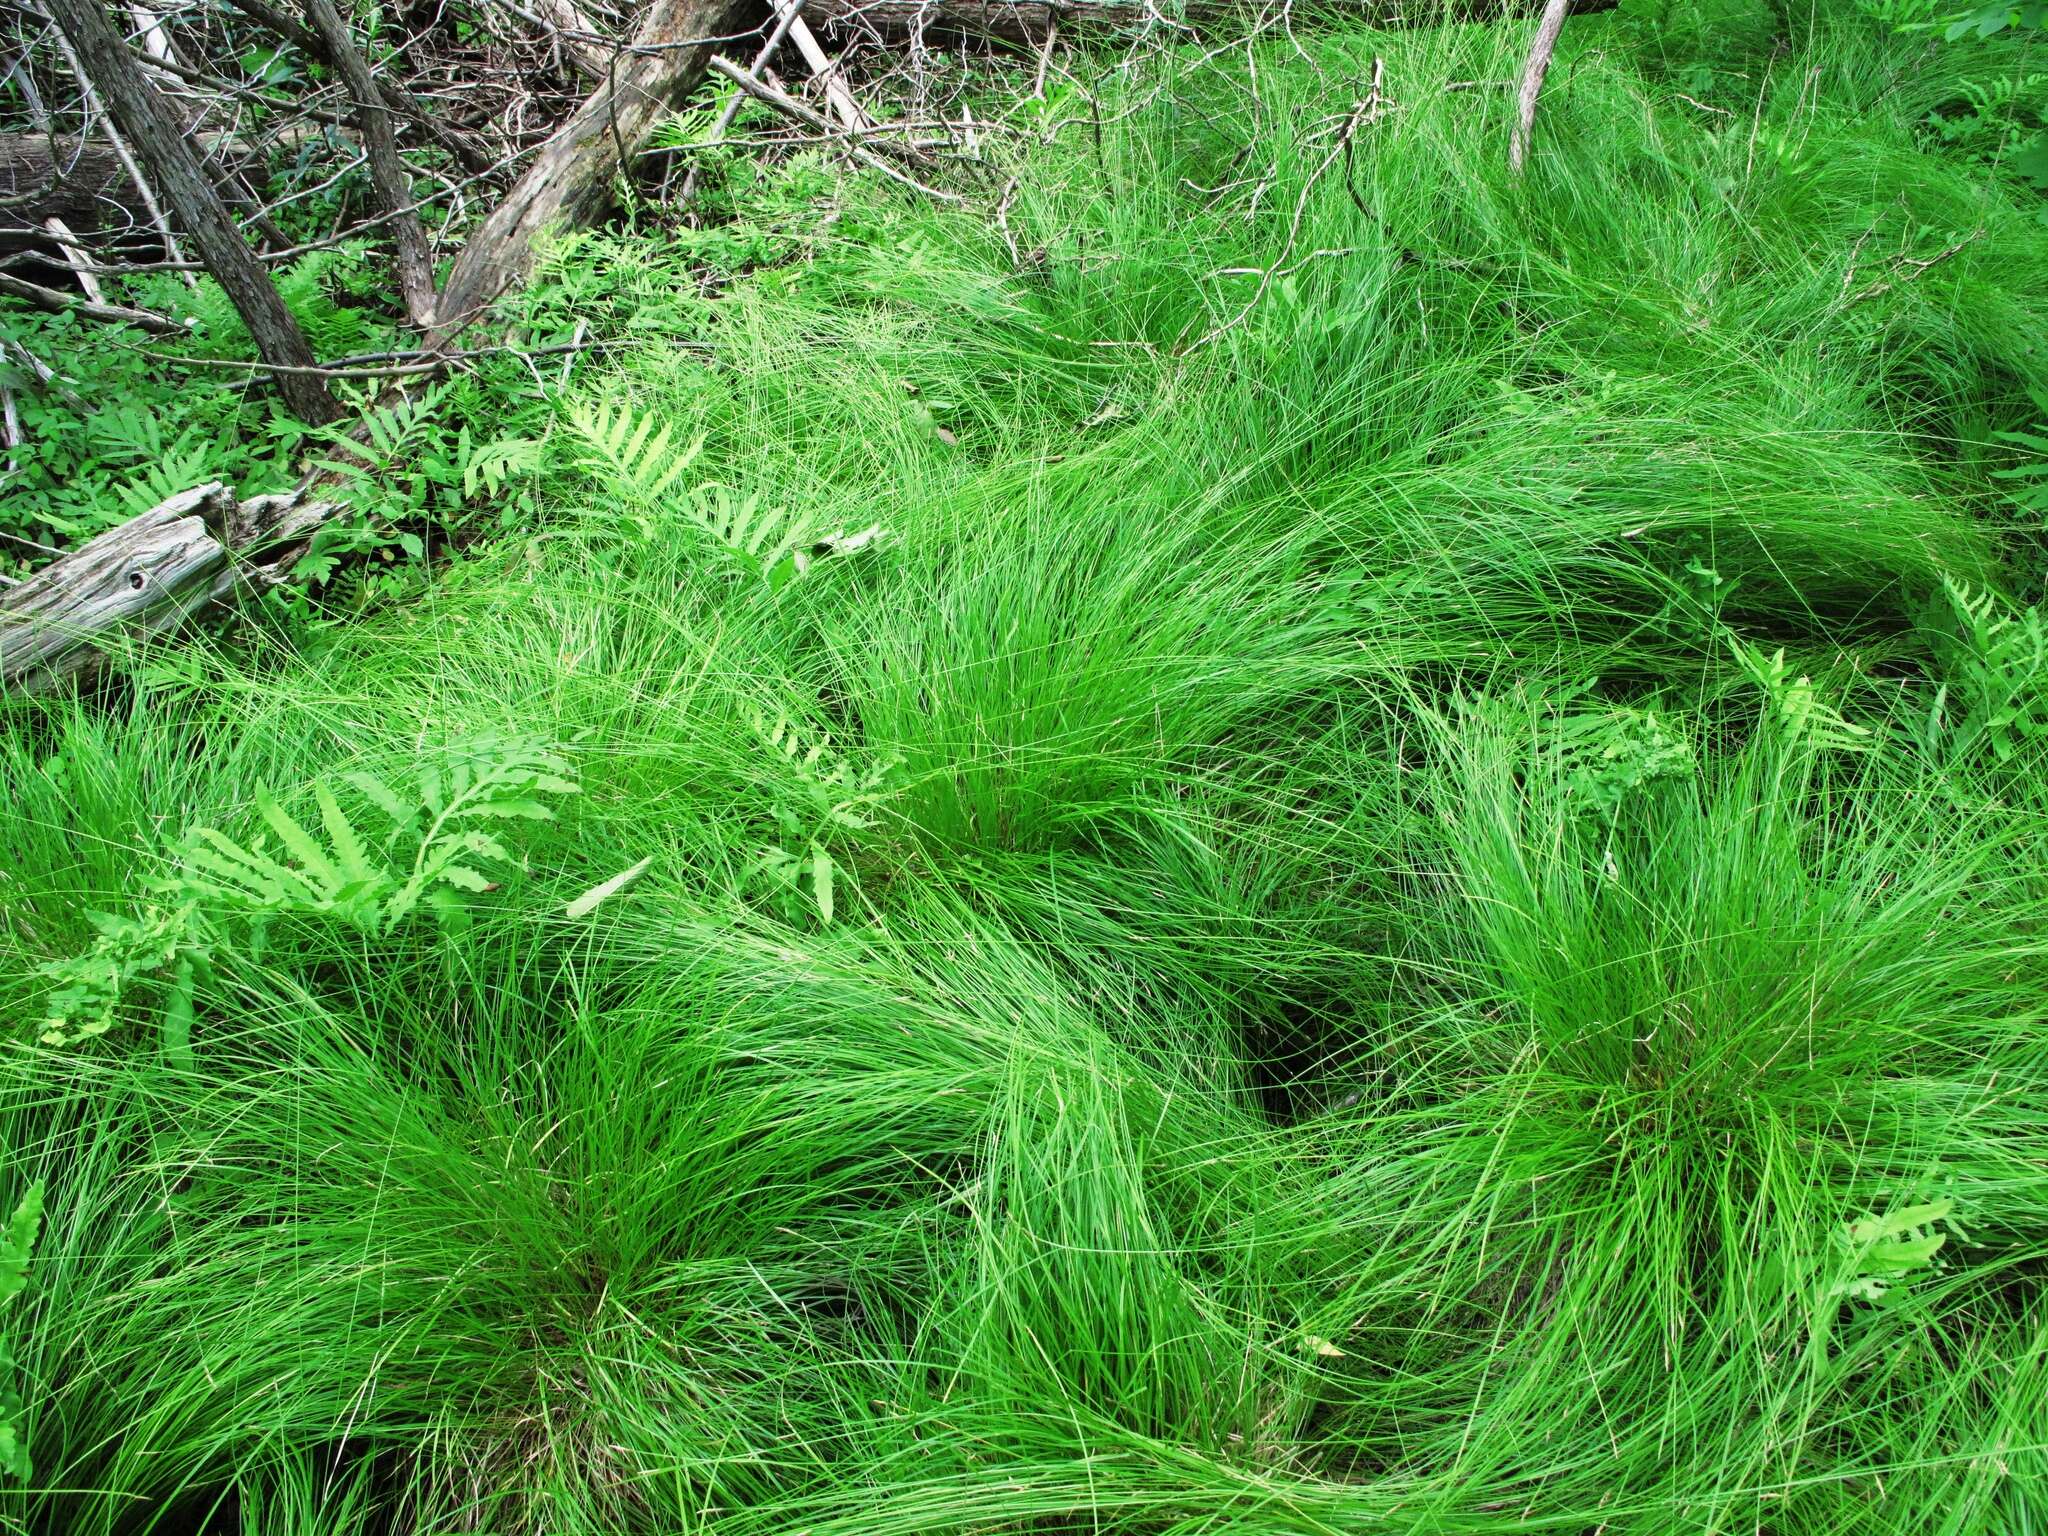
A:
x: 1284, y: 835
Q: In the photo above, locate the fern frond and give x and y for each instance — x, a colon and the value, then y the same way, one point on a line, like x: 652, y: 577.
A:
x: 632, y: 453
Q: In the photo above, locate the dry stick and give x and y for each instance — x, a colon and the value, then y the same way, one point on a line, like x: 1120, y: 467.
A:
x: 388, y: 178
x: 120, y: 147
x: 62, y: 303
x: 573, y: 177
x: 785, y: 17
x: 404, y: 364
x: 570, y: 182
x: 10, y: 427
x: 467, y: 155
x: 573, y: 34
x: 1368, y: 109
x: 75, y: 258
x: 817, y: 122
x: 837, y: 96
x: 1533, y: 70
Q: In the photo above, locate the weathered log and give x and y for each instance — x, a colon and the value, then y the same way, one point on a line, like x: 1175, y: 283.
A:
x: 57, y: 302
x: 45, y: 177
x: 145, y: 578
x: 84, y: 184
x: 1028, y: 20
x: 572, y: 181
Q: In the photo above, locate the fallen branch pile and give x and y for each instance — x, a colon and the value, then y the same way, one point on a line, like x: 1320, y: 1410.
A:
x: 197, y: 549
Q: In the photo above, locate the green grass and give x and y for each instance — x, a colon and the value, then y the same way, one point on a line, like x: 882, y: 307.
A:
x: 1355, y: 998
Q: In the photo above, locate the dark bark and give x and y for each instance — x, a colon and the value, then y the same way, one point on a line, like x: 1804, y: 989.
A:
x: 388, y: 176
x: 571, y: 181
x: 44, y: 177
x: 182, y: 181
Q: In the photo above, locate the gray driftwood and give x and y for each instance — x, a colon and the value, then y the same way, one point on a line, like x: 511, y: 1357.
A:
x: 144, y: 578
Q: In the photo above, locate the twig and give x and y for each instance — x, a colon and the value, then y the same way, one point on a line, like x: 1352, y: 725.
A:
x: 1900, y: 276
x: 1368, y: 109
x: 75, y: 258
x: 15, y: 538
x: 1534, y: 69
x: 424, y: 360
x: 466, y: 154
x: 112, y: 314
x: 817, y: 122
x: 10, y: 427
x: 837, y: 96
x: 120, y: 148
x: 785, y: 17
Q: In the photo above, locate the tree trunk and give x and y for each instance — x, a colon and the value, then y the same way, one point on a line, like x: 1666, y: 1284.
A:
x: 176, y: 170
x: 571, y: 180
x: 388, y: 176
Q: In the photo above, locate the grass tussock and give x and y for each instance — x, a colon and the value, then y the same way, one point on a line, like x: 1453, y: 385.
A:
x: 1404, y: 900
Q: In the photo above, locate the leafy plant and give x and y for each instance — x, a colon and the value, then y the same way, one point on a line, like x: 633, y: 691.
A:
x: 164, y: 936
x: 1998, y: 660
x: 439, y: 845
x: 2030, y: 480
x: 1606, y: 756
x: 636, y: 457
x: 1998, y: 16
x: 1880, y: 1252
x: 823, y: 796
x: 1795, y: 708
x: 17, y: 1244
x: 435, y: 851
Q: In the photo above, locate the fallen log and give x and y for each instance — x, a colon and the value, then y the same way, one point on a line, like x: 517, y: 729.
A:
x: 572, y: 181
x: 145, y: 578
x: 57, y: 302
x: 45, y: 176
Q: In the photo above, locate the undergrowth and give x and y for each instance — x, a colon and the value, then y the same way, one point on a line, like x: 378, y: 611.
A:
x: 1146, y: 868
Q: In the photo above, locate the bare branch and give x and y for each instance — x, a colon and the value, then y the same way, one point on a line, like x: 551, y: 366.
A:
x: 1533, y: 70
x: 387, y: 172
x: 112, y: 314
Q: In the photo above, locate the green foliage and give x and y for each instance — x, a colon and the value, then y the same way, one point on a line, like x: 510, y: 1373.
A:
x: 2029, y: 479
x: 1996, y: 660
x: 17, y: 1244
x: 1994, y: 18
x: 1796, y: 710
x: 89, y: 989
x: 440, y: 839
x: 816, y: 797
x: 637, y: 460
x: 1164, y: 1001
x: 436, y: 843
x: 1880, y: 1252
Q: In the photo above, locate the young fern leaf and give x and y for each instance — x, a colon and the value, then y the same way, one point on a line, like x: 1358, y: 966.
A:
x: 2000, y: 658
x: 633, y: 455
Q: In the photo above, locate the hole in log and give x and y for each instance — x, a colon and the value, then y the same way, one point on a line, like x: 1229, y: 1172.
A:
x: 137, y: 580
